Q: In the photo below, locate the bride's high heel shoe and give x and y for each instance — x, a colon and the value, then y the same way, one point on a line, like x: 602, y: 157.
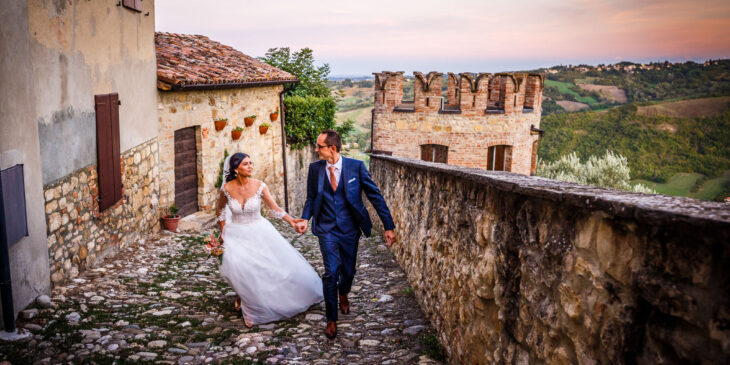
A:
x: 237, y: 304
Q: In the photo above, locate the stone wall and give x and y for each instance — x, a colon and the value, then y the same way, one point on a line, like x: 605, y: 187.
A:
x: 297, y: 168
x: 78, y: 234
x: 489, y: 110
x: 182, y: 109
x: 517, y: 269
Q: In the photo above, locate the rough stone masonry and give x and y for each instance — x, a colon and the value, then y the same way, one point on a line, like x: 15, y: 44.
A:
x: 522, y: 270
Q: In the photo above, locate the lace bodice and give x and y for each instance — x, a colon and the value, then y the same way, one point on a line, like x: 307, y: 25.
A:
x: 248, y: 212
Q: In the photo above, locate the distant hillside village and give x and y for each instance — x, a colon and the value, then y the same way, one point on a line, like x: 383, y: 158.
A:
x: 630, y: 67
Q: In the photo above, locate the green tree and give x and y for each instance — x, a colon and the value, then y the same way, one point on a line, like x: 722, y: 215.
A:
x: 310, y: 104
x: 312, y: 79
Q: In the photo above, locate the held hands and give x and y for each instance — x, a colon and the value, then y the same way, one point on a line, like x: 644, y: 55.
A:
x: 299, y: 225
x: 390, y: 238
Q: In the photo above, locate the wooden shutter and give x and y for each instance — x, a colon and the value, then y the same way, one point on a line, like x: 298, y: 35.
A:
x: 499, y: 158
x: 441, y: 154
x: 427, y: 152
x: 490, y: 158
x: 135, y: 5
x: 108, y: 155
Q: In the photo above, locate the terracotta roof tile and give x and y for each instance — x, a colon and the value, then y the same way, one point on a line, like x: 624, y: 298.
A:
x: 185, y: 60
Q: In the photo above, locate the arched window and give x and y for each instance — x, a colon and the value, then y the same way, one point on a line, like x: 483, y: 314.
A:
x: 434, y: 153
x: 499, y: 158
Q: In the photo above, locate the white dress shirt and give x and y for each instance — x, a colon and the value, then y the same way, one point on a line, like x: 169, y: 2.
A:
x: 338, y: 170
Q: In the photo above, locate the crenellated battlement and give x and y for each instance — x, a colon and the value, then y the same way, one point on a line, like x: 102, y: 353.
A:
x: 483, y: 120
x: 468, y: 94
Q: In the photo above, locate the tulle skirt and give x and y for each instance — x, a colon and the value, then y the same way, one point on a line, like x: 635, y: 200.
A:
x: 273, y: 280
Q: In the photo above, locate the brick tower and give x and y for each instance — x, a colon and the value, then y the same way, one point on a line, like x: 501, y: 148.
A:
x: 487, y: 121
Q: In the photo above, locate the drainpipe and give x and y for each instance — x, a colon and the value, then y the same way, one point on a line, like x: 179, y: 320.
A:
x: 6, y: 289
x: 283, y: 149
x: 372, y: 128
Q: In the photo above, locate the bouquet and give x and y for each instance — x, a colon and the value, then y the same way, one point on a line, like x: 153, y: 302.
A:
x: 213, y: 245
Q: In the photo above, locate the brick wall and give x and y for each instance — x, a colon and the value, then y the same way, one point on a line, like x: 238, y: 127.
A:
x: 490, y: 113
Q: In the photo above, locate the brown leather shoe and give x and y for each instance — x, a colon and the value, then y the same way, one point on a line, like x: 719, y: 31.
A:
x: 331, y: 330
x: 344, y: 304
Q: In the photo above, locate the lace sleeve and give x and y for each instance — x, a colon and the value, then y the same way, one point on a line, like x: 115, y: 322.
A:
x: 273, y: 208
x: 222, y: 202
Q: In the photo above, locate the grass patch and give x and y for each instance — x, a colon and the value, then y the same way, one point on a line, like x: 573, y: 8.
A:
x: 432, y: 347
x: 691, y: 185
x: 566, y: 88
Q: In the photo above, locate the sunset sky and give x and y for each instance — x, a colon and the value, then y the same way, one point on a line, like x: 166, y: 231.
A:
x: 361, y: 37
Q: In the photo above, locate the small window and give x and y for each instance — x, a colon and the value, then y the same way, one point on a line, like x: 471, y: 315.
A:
x: 434, y: 153
x: 499, y: 158
x: 135, y: 5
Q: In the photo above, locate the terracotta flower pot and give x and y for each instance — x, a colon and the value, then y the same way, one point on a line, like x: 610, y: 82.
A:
x: 263, y: 129
x: 220, y: 124
x: 236, y: 134
x: 274, y: 116
x: 170, y: 222
x: 248, y: 121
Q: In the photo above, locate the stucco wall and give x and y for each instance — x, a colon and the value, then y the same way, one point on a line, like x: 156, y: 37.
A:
x: 182, y: 109
x: 19, y: 145
x: 524, y: 270
x: 80, y: 49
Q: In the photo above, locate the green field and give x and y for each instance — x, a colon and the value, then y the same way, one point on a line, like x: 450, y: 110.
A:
x: 685, y: 184
x: 565, y: 88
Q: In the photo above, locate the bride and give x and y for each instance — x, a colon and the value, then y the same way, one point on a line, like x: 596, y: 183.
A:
x: 272, y: 279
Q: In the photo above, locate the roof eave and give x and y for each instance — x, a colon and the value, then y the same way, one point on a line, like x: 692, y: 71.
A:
x: 230, y: 85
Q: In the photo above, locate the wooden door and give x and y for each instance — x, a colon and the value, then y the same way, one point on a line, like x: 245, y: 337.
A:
x: 186, y: 171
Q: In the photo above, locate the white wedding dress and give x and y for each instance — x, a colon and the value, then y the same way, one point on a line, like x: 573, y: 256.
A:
x: 273, y: 280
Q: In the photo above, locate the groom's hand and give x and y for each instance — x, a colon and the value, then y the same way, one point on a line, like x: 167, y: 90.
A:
x: 300, y: 225
x: 390, y: 238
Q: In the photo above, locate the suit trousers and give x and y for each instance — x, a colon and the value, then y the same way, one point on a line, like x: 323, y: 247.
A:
x: 339, y: 254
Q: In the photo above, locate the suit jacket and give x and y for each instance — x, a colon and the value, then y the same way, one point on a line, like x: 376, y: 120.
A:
x: 356, y: 179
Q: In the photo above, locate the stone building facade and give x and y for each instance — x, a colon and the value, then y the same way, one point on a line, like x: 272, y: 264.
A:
x: 59, y: 58
x: 513, y: 269
x: 487, y: 121
x: 230, y: 85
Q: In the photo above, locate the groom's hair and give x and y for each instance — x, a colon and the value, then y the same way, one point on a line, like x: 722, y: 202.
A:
x: 333, y: 139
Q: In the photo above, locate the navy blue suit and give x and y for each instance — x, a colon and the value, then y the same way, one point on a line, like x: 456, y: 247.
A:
x: 338, y: 219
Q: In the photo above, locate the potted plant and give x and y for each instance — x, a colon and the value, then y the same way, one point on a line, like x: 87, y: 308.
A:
x: 264, y: 127
x: 220, y: 123
x: 170, y: 221
x: 249, y: 120
x: 274, y: 115
x: 236, y: 133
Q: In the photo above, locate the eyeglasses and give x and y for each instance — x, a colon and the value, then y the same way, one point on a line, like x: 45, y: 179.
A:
x: 320, y: 146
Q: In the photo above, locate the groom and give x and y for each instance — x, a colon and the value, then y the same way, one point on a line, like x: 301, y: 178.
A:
x: 334, y: 202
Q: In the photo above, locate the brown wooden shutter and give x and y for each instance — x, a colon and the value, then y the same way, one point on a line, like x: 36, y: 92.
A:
x: 135, y: 5
x: 490, y: 158
x: 499, y: 158
x: 441, y: 154
x: 108, y: 155
x: 426, y: 152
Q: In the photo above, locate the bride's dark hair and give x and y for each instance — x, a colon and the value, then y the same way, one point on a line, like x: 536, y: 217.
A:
x: 233, y: 165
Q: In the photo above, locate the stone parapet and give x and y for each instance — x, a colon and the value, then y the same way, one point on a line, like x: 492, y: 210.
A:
x: 518, y: 269
x: 78, y: 234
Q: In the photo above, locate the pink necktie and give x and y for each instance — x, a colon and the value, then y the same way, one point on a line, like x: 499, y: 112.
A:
x: 333, y: 179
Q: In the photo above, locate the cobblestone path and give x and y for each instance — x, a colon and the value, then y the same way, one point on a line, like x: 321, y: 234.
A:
x: 163, y: 301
